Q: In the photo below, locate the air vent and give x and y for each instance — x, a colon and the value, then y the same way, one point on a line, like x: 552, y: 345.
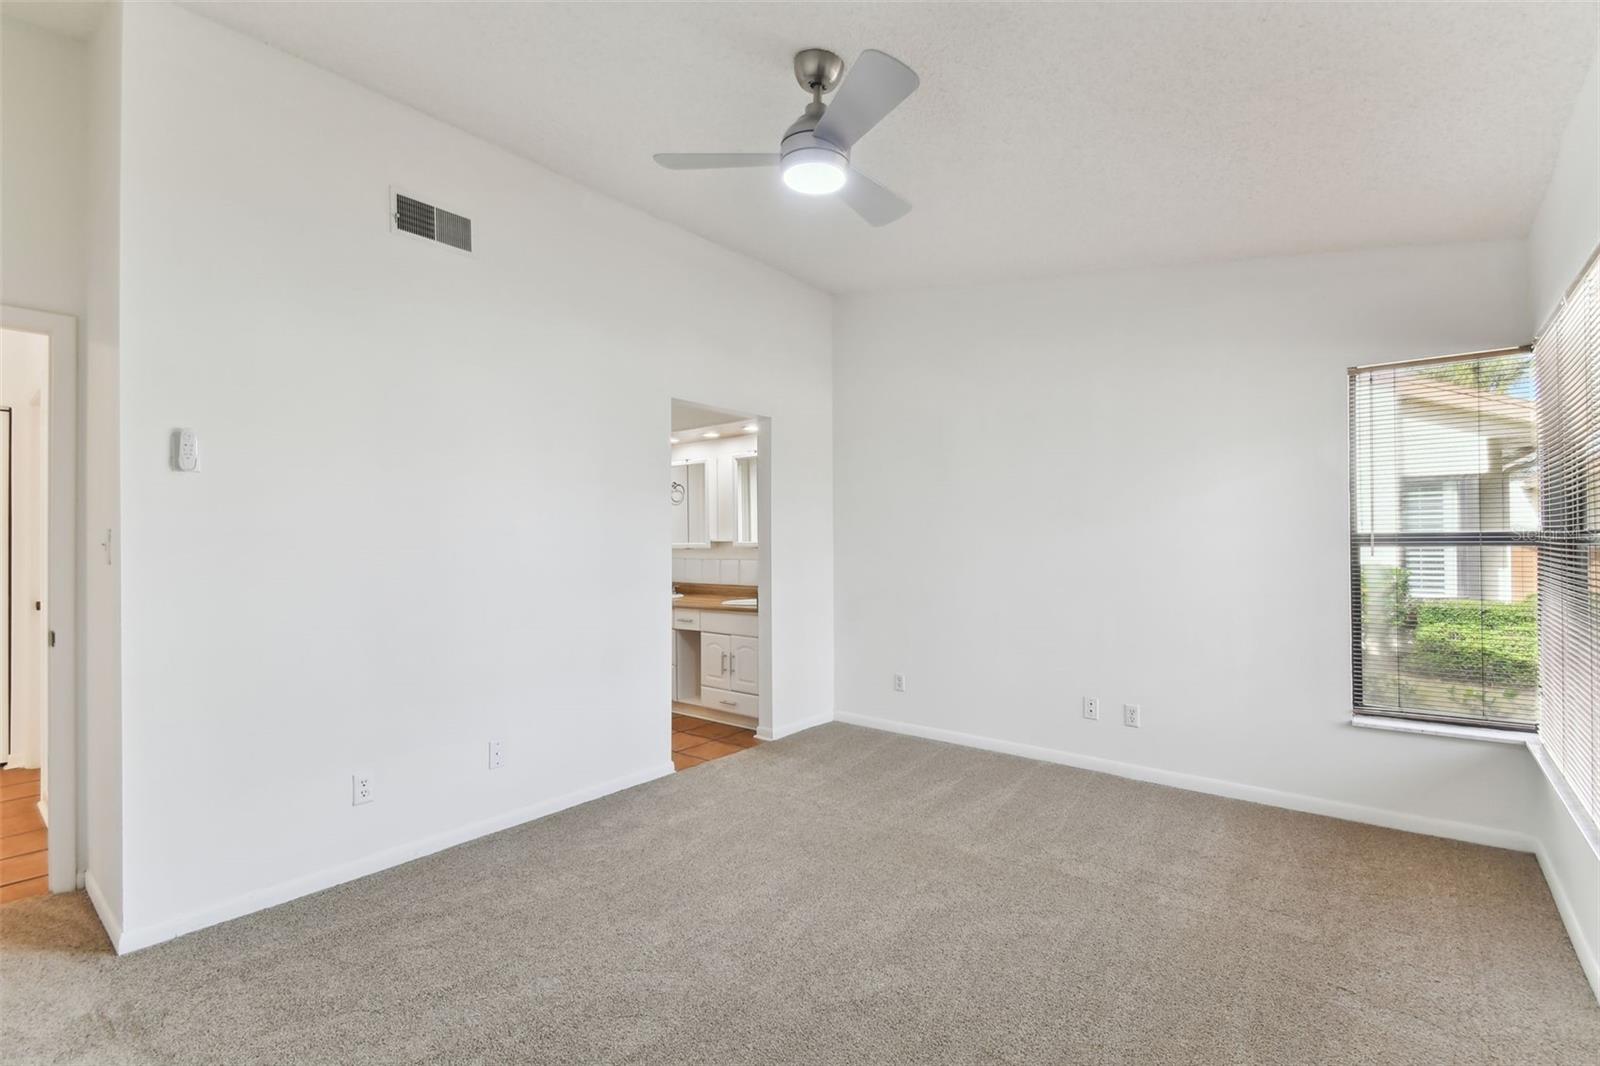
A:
x: 432, y: 223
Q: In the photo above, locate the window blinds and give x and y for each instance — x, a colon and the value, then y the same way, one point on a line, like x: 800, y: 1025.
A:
x: 1444, y: 510
x: 1568, y: 370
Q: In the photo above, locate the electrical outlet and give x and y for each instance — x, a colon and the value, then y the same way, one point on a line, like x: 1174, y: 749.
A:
x: 497, y: 754
x: 1130, y: 715
x: 1091, y: 708
x: 899, y: 682
x: 360, y: 789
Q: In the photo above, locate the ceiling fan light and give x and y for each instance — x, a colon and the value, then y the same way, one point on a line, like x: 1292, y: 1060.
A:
x: 814, y: 171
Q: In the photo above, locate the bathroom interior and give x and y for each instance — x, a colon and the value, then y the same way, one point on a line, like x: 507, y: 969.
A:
x: 716, y: 601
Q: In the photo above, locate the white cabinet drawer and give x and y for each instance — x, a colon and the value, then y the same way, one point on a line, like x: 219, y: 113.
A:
x: 682, y: 619
x: 733, y: 623
x: 719, y: 699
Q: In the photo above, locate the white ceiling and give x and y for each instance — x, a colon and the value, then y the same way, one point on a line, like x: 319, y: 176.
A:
x: 1045, y: 137
x: 693, y: 416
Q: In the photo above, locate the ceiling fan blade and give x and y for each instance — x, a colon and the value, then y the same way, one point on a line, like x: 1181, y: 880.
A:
x: 872, y: 201
x: 871, y: 89
x: 716, y: 160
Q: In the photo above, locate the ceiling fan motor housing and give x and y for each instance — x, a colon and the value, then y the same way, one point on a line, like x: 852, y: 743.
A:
x: 817, y: 69
x: 801, y: 138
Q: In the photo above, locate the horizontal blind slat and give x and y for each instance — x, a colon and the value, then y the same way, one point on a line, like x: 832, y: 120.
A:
x: 1567, y: 358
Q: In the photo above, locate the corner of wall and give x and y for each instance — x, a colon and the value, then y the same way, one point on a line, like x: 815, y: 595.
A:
x: 1566, y: 228
x: 1568, y: 849
x: 99, y: 637
x: 1565, y: 233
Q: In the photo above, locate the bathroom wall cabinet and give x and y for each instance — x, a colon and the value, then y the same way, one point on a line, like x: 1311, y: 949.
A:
x: 714, y: 501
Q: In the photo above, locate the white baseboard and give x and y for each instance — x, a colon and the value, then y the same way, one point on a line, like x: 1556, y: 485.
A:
x: 1294, y: 801
x: 1569, y: 917
x: 250, y: 902
x: 44, y: 812
x: 108, y: 920
x: 1590, y: 832
x: 794, y: 727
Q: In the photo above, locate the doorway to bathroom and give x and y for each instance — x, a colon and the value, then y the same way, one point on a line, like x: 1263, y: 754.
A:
x: 716, y: 493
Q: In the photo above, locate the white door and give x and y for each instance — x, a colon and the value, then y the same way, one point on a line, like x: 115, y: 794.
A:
x: 715, y: 653
x: 745, y: 673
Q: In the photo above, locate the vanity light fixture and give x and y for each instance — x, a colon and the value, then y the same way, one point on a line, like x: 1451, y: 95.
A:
x: 672, y: 440
x: 750, y: 428
x: 713, y: 435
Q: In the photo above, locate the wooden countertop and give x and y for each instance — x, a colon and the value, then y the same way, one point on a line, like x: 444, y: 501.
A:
x: 711, y: 597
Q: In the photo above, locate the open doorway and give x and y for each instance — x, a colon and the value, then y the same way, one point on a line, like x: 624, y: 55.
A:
x: 38, y: 569
x: 24, y: 575
x: 717, y: 597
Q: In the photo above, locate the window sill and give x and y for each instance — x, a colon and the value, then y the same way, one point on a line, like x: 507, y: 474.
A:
x: 1440, y: 729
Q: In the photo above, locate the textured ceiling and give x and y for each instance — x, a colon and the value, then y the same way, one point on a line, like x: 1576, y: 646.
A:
x: 1045, y: 137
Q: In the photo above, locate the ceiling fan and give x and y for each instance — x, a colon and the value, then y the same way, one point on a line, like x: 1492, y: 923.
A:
x: 814, y: 154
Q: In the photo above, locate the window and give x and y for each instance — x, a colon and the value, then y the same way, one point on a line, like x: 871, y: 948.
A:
x: 1568, y: 368
x: 1444, y: 549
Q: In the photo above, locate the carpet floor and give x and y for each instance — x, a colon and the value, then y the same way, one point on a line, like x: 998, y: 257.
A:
x: 850, y: 896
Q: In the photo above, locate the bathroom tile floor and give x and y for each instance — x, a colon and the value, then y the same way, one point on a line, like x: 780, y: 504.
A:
x: 696, y: 740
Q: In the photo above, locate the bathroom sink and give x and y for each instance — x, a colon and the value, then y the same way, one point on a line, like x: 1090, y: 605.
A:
x: 739, y: 603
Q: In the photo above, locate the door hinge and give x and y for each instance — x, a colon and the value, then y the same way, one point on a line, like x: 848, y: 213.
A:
x: 52, y: 638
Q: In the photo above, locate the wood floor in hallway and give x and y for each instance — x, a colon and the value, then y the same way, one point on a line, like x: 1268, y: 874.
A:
x: 24, y: 852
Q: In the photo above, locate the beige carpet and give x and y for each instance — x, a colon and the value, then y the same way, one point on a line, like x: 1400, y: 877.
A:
x: 847, y: 896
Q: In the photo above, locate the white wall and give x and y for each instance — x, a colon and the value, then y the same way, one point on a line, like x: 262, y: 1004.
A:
x: 100, y: 746
x: 1569, y: 854
x: 1567, y: 227
x: 43, y: 86
x: 369, y: 571
x: 1135, y: 486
